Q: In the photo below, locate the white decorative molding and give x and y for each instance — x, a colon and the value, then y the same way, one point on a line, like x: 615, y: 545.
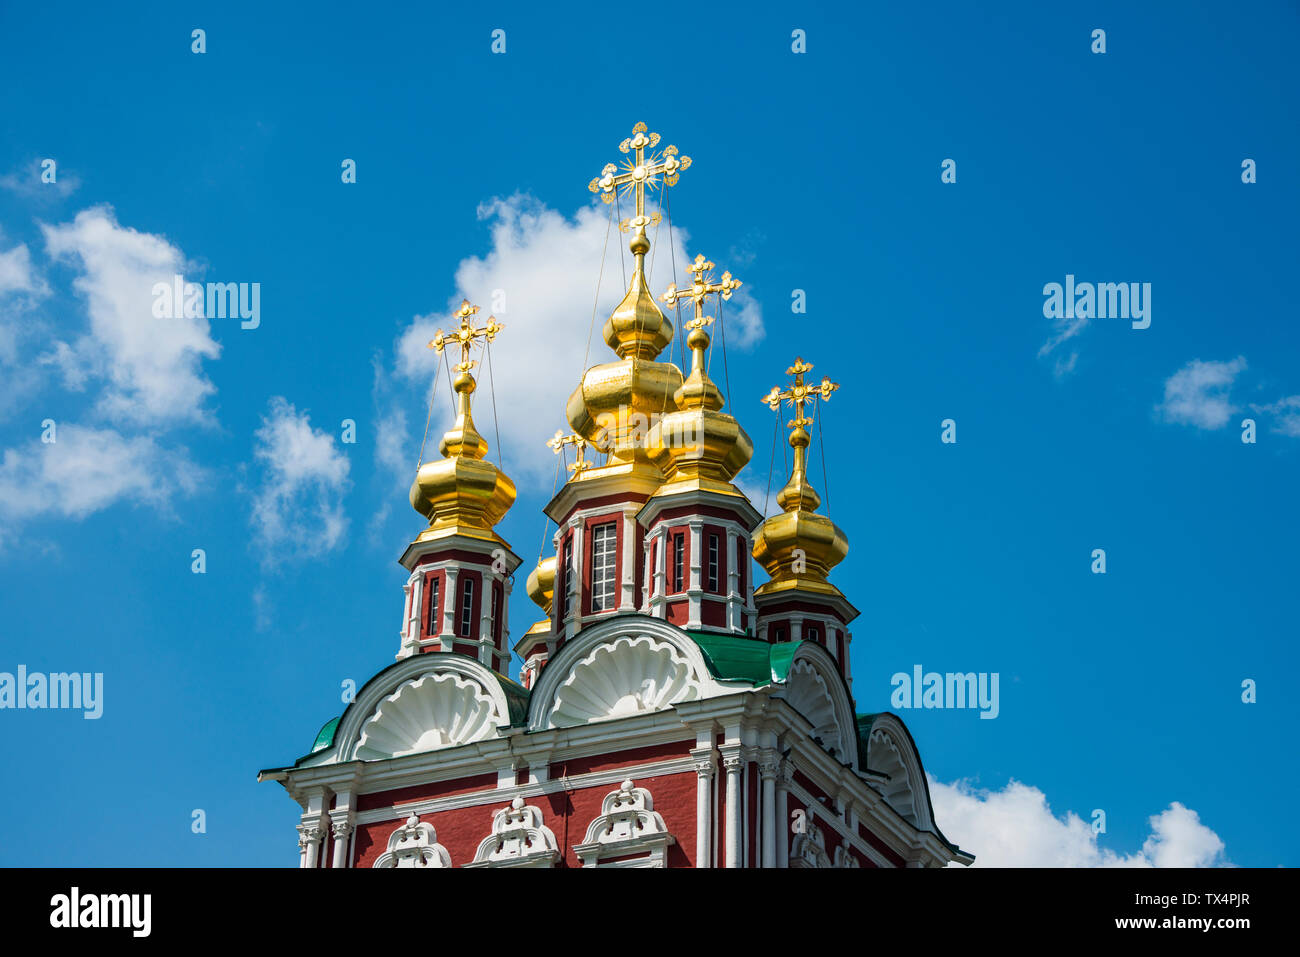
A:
x: 808, y: 849
x: 518, y: 839
x: 414, y: 845
x: 883, y: 755
x: 437, y: 710
x: 627, y: 676
x: 807, y: 692
x: 628, y: 829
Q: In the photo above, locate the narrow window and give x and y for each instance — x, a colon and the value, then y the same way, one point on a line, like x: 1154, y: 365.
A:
x: 780, y: 634
x: 496, y: 612
x: 602, y: 567
x: 467, y: 609
x: 568, y: 574
x: 812, y: 632
x: 679, y: 558
x: 434, y: 627
x: 713, y: 563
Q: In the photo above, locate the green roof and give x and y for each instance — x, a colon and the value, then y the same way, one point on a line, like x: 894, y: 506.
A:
x: 732, y: 657
x: 325, y: 736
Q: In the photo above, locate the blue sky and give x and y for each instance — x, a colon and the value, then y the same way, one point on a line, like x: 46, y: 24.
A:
x: 817, y: 171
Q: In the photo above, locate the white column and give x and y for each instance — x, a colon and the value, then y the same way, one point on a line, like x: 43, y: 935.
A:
x: 735, y: 600
x: 311, y: 830
x: 706, y: 765
x: 661, y: 564
x: 796, y: 629
x: 648, y: 578
x: 628, y: 583
x: 783, y: 775
x: 767, y: 772
x: 485, y: 621
x: 506, y: 587
x: 342, y: 821
x: 449, y: 602
x: 694, y: 586
x: 733, y: 764
x: 406, y: 617
x: 573, y: 623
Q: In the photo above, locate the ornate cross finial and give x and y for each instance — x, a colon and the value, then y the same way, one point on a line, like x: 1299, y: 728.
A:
x: 702, y: 287
x: 638, y: 173
x: 799, y: 394
x: 560, y: 440
x: 466, y: 334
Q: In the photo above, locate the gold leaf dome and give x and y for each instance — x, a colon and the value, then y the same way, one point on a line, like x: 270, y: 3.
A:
x: 698, y: 446
x: 799, y: 547
x: 462, y: 493
x: 541, y: 584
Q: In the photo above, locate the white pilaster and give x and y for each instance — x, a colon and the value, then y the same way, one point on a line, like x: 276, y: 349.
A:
x: 767, y: 772
x: 694, y: 578
x: 450, y: 601
x: 733, y: 764
x: 706, y: 766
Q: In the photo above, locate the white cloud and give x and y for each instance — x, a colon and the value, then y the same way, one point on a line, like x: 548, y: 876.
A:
x: 297, y: 510
x: 1287, y: 411
x: 17, y: 274
x: 152, y: 366
x: 86, y: 470
x: 1015, y: 827
x: 27, y: 182
x: 21, y: 288
x: 1063, y: 330
x: 546, y: 266
x: 1198, y: 394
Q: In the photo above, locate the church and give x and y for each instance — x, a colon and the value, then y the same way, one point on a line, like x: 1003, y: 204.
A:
x: 670, y: 711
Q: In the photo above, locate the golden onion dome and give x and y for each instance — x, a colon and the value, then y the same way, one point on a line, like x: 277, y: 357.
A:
x: 617, y: 402
x: 698, y: 446
x: 541, y: 584
x: 462, y: 493
x: 799, y: 547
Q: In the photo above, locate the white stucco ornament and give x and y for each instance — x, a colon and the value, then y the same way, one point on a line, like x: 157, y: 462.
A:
x: 631, y: 675
x: 437, y: 710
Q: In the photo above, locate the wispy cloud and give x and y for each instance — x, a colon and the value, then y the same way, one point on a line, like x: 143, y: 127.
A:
x: 1199, y: 394
x: 1063, y: 330
x: 1287, y: 413
x: 84, y: 470
x: 27, y: 182
x: 1015, y: 827
x: 297, y: 510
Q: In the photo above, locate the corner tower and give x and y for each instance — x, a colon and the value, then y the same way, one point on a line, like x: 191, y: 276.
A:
x: 799, y: 547
x: 459, y: 590
x: 697, y: 523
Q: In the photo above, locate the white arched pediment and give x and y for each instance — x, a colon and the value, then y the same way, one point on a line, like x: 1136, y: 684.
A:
x: 890, y: 751
x: 628, y: 665
x: 436, y: 710
x: 423, y: 703
x: 814, y: 688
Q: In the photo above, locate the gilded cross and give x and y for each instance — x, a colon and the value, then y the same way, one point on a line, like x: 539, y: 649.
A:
x: 560, y: 440
x: 466, y: 334
x: 702, y: 286
x: 638, y: 172
x: 799, y: 394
